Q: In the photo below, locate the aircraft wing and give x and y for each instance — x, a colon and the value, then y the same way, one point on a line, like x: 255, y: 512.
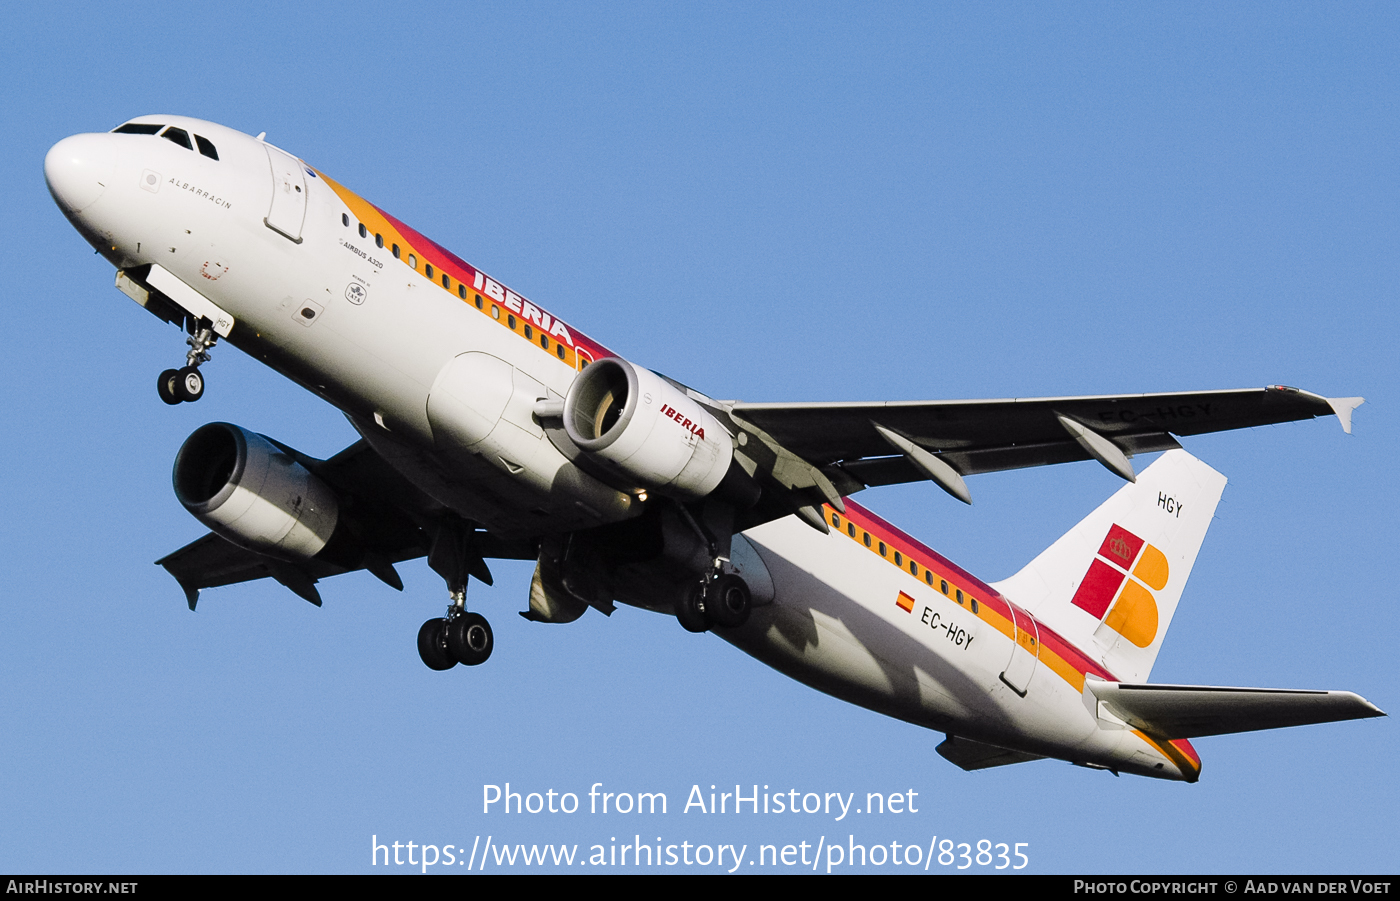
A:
x: 1191, y: 711
x: 211, y: 562
x: 976, y: 436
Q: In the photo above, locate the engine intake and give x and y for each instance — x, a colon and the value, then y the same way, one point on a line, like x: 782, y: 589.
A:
x: 251, y: 492
x: 646, y: 429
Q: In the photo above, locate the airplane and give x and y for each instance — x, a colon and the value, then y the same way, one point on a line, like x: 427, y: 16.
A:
x: 491, y: 428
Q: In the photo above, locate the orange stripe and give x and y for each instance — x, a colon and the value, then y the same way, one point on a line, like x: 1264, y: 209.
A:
x: 1060, y: 656
x: 578, y: 352
x: 1179, y: 752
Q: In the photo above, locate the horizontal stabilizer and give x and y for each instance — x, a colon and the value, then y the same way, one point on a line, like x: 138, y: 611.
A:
x: 1191, y: 711
x: 974, y: 755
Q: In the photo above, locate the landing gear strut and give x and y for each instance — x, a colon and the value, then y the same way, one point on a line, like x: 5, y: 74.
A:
x: 461, y: 636
x: 720, y: 597
x: 187, y: 385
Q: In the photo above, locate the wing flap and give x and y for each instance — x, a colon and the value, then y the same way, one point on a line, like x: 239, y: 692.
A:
x: 1192, y: 711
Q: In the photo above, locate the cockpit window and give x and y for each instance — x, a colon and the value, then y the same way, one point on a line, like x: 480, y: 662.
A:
x: 178, y: 136
x: 137, y: 128
x: 206, y: 147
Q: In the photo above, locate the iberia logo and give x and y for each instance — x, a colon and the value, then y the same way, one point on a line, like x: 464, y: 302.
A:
x: 1134, y: 609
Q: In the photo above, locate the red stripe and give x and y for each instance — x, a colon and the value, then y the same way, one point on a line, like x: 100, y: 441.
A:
x: 462, y: 271
x: 929, y: 558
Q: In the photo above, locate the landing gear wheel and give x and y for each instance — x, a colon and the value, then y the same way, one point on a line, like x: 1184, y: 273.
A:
x: 165, y: 386
x: 469, y: 639
x: 728, y: 602
x: 189, y: 384
x: 690, y: 609
x: 432, y: 645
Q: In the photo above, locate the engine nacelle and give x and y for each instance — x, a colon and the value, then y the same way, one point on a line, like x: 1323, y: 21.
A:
x: 643, y: 427
x: 246, y: 489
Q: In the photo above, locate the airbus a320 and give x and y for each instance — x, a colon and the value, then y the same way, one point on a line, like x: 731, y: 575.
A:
x: 492, y: 428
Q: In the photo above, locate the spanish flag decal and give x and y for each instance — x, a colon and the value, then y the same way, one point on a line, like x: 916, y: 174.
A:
x: 1128, y: 599
x: 905, y: 602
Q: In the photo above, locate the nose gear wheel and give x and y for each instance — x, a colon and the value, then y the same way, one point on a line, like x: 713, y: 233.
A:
x: 186, y: 385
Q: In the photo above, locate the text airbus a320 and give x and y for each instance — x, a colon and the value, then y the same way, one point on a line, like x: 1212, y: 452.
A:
x: 492, y: 428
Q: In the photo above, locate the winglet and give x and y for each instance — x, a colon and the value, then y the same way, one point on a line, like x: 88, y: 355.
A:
x: 1343, y: 406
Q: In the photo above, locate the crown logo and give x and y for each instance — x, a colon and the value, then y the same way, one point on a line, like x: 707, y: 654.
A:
x: 1122, y: 602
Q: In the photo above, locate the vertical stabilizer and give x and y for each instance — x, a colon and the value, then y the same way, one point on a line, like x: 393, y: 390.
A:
x: 1112, y: 583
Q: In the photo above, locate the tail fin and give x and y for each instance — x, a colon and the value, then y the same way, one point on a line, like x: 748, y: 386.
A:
x: 1111, y: 584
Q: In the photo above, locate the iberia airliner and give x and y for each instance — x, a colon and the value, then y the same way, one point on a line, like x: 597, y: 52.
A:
x: 491, y: 427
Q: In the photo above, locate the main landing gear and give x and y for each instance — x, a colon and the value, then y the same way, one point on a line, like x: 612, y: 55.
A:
x: 460, y: 636
x: 722, y: 600
x: 720, y: 597
x: 187, y: 385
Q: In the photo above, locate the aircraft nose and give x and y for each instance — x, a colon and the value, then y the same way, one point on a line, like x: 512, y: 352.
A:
x: 78, y: 170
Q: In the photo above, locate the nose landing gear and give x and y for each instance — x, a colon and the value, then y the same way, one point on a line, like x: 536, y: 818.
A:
x: 180, y: 385
x: 187, y: 385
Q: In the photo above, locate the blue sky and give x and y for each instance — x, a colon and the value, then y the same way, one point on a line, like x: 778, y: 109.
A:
x: 798, y: 202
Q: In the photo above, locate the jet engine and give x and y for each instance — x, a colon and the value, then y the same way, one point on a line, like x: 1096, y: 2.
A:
x: 251, y: 492
x: 646, y: 429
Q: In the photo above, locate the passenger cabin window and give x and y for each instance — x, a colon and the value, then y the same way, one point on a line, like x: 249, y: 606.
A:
x: 206, y: 147
x: 178, y: 136
x: 136, y: 128
x: 364, y: 232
